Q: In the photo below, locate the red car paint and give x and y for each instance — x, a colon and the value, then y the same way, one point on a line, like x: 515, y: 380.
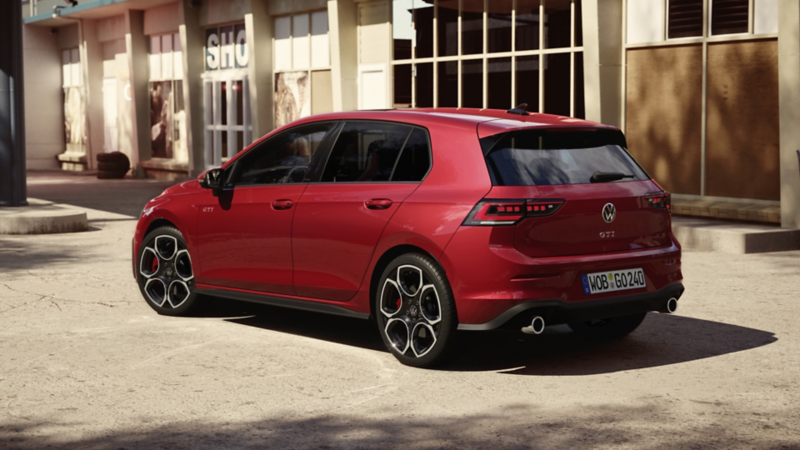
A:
x: 321, y: 242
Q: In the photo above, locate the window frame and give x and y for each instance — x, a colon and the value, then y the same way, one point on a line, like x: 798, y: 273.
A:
x: 316, y: 177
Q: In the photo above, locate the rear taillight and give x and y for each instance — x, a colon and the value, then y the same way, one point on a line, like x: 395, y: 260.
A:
x: 510, y: 212
x: 661, y: 200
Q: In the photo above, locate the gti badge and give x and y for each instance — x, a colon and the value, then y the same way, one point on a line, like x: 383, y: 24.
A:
x: 609, y: 212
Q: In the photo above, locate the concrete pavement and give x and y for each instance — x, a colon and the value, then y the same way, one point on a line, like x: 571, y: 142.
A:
x: 85, y: 363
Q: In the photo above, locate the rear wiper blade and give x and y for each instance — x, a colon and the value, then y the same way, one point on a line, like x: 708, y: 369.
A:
x: 602, y: 177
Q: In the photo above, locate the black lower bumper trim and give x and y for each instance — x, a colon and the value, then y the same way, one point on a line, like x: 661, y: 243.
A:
x: 557, y: 312
x: 304, y: 305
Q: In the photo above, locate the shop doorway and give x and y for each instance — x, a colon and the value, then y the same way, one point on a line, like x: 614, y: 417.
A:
x: 228, y: 126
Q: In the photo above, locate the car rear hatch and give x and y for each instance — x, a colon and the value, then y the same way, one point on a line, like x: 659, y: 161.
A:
x: 571, y: 192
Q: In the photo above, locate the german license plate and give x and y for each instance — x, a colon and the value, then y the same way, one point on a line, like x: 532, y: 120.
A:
x: 614, y: 280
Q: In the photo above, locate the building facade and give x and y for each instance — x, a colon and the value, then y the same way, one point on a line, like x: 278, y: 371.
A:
x: 707, y: 91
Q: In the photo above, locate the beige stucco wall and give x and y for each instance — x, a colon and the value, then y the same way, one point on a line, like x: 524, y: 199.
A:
x: 44, y: 120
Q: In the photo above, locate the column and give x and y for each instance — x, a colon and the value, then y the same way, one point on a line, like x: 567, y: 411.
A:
x: 136, y: 45
x: 602, y: 60
x: 789, y: 88
x: 343, y: 32
x: 258, y: 25
x: 193, y: 42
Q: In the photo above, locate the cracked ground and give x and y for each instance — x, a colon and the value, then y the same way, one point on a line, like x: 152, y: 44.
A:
x: 85, y: 363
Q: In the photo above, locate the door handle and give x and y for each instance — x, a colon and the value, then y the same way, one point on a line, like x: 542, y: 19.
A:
x: 378, y: 203
x: 282, y: 204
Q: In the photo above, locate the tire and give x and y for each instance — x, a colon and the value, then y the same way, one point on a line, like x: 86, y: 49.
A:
x: 166, y: 283
x: 416, y: 328
x: 105, y: 175
x: 116, y: 166
x: 612, y: 328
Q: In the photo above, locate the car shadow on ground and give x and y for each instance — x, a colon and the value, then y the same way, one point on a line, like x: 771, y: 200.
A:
x: 661, y: 340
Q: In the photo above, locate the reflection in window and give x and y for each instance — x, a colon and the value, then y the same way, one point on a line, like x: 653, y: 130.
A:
x: 447, y: 23
x: 402, y: 86
x: 527, y: 22
x: 528, y: 82
x: 558, y: 23
x: 472, y: 79
x: 424, y: 85
x: 500, y: 83
x: 556, y: 81
x: 448, y: 84
x: 472, y: 27
x: 499, y: 26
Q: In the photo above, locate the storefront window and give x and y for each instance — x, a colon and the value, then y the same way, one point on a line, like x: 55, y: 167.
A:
x: 167, y: 114
x: 506, y: 53
x: 74, y: 117
x: 302, y: 66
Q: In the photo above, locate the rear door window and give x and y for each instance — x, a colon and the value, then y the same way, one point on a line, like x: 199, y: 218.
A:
x: 546, y: 157
x: 378, y: 152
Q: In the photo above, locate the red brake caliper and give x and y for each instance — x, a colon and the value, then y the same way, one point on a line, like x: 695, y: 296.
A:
x: 155, y: 265
x: 399, y: 302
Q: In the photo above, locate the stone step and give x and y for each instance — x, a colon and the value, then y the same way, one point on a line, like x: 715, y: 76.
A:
x: 733, y: 237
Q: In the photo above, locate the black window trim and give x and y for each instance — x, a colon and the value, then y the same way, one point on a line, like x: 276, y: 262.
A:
x: 235, y: 169
x: 329, y: 149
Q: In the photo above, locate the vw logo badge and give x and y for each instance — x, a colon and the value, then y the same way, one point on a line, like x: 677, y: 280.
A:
x: 609, y: 212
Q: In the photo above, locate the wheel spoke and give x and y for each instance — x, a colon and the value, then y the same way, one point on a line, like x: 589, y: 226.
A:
x: 423, y: 338
x: 178, y: 293
x: 429, y: 304
x: 183, y: 265
x: 166, y: 246
x: 391, y: 299
x: 149, y: 264
x: 409, y: 279
x: 156, y: 291
x: 397, y: 332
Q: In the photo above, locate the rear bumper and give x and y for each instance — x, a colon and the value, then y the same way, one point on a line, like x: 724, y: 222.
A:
x: 557, y: 312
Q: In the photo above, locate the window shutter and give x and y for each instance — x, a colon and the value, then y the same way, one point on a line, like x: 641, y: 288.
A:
x: 685, y: 18
x: 729, y: 16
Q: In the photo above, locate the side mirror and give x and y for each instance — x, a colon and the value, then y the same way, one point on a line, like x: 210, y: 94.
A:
x: 213, y: 180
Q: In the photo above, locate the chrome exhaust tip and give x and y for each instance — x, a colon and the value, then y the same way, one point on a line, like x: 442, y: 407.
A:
x: 671, y: 306
x: 537, y: 325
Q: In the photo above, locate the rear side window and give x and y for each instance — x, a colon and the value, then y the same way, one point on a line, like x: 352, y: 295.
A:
x: 546, y: 157
x: 378, y: 152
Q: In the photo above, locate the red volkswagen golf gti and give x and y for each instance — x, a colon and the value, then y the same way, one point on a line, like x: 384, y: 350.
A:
x: 428, y: 221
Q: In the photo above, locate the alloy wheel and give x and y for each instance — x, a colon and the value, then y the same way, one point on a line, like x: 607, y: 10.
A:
x: 411, y: 311
x: 166, y: 270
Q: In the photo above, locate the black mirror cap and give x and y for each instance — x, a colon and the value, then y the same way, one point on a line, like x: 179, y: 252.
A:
x: 213, y: 180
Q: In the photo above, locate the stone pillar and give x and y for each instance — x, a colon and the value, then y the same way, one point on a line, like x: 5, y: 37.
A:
x: 343, y: 33
x: 602, y: 60
x: 259, y: 27
x: 136, y: 46
x: 789, y: 88
x: 192, y: 43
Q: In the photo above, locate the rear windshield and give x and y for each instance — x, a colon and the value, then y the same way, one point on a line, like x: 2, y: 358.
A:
x: 547, y: 157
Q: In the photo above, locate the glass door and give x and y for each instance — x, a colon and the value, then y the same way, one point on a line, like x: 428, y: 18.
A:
x: 228, y: 127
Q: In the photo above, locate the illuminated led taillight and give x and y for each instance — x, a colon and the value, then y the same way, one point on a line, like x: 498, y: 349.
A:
x: 510, y: 212
x: 660, y: 200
